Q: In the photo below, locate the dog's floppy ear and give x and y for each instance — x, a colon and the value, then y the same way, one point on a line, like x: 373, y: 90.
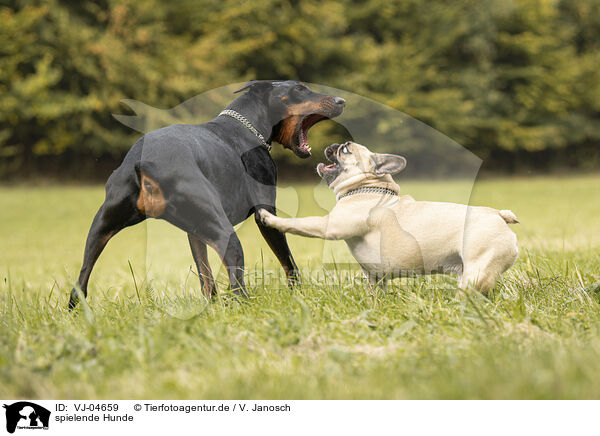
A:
x: 257, y: 84
x: 388, y: 163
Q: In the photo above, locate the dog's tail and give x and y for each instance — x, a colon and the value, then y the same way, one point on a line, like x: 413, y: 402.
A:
x: 509, y: 216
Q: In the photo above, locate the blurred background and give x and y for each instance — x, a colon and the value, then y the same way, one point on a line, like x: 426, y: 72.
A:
x: 514, y: 81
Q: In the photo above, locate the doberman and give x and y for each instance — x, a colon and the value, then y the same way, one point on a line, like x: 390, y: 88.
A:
x: 206, y: 178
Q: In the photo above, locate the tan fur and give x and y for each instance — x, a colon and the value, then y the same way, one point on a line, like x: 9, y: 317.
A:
x: 390, y: 234
x: 287, y: 129
x: 151, y: 201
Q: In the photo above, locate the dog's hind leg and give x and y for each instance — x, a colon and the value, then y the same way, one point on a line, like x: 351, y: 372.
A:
x: 484, y: 265
x: 478, y: 279
x: 479, y: 274
x: 378, y: 279
x: 117, y: 212
x: 220, y: 235
x: 193, y: 205
x: 233, y: 259
x: 200, y: 255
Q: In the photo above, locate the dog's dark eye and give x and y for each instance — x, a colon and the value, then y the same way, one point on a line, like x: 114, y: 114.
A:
x: 345, y: 150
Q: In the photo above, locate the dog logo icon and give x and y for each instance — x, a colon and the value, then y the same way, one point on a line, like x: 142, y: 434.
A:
x: 26, y: 415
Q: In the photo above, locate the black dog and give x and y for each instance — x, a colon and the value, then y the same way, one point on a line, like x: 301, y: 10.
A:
x: 209, y: 177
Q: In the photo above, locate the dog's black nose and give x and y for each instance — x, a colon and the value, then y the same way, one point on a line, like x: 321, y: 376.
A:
x: 339, y: 101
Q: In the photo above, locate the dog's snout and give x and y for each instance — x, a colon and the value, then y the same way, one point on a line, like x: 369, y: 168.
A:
x: 339, y: 101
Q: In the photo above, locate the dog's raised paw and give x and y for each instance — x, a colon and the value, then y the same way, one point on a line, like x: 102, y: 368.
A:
x: 265, y: 217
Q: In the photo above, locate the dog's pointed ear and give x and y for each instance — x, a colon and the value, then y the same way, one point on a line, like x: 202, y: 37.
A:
x: 388, y: 163
x: 258, y: 85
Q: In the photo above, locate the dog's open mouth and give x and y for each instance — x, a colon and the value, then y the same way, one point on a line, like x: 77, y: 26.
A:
x: 303, y: 149
x: 330, y: 172
x: 292, y: 131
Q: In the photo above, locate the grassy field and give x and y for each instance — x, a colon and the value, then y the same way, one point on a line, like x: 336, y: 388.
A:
x: 537, y: 335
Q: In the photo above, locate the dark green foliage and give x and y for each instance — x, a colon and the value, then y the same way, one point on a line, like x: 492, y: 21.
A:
x: 511, y: 80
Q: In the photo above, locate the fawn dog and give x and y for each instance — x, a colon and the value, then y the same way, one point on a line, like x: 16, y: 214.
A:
x: 391, y: 234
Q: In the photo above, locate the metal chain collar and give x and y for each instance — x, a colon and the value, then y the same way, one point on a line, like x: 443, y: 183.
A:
x: 368, y: 190
x: 245, y: 122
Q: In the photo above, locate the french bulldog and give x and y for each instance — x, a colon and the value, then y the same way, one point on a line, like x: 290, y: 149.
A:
x: 393, y: 235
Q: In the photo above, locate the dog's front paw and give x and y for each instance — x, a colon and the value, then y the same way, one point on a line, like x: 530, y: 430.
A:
x: 265, y: 217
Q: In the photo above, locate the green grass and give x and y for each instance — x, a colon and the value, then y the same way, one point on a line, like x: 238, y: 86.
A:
x: 537, y: 335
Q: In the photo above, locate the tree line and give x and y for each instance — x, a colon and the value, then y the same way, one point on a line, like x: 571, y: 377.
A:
x: 514, y: 81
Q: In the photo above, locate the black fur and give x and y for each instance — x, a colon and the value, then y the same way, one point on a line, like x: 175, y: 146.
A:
x: 212, y: 177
